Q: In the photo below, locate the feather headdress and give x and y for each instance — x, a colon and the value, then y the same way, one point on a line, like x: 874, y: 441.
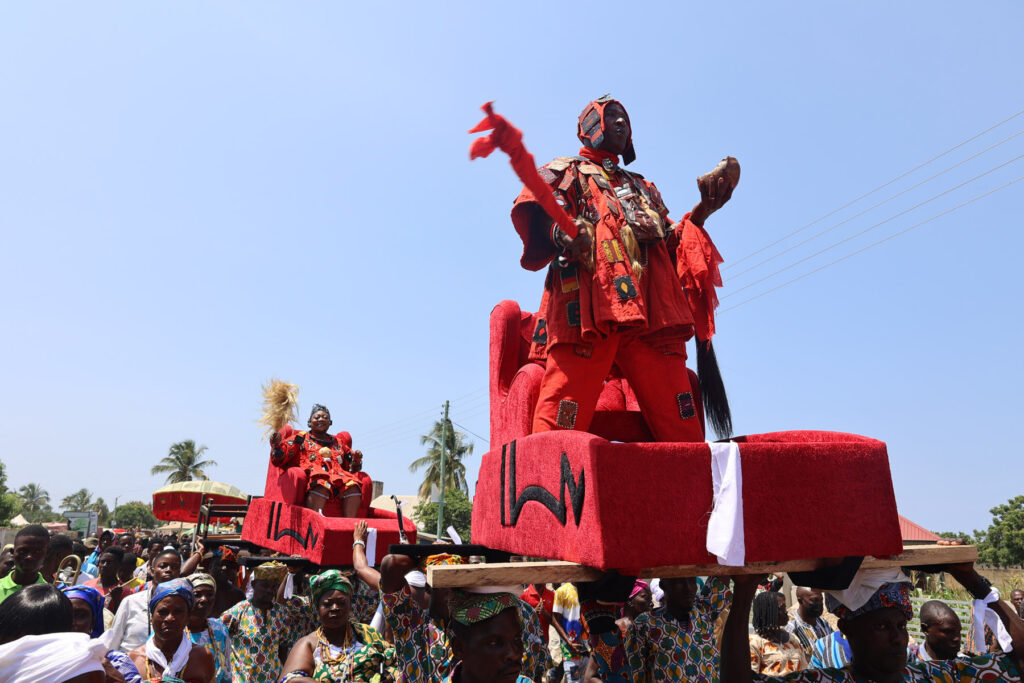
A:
x: 280, y: 403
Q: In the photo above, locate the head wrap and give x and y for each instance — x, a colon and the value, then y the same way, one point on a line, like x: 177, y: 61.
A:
x: 471, y: 608
x: 175, y: 587
x: 443, y: 559
x: 200, y: 579
x: 330, y: 580
x: 638, y: 587
x: 590, y: 129
x: 95, y: 601
x: 270, y: 571
x: 888, y: 595
x: 229, y: 553
x: 317, y: 408
x: 416, y: 579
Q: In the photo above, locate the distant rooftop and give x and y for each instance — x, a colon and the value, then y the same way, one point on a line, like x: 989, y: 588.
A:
x: 915, y: 533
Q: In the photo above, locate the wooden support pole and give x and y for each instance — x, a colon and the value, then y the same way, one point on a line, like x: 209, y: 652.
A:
x: 557, y: 571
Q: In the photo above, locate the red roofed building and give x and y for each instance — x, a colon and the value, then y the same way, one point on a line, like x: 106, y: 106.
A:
x: 915, y: 534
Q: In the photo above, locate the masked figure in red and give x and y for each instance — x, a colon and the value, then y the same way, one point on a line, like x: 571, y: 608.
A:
x: 329, y: 461
x: 612, y: 294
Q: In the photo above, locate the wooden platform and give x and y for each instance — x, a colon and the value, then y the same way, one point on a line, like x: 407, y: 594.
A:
x: 555, y: 571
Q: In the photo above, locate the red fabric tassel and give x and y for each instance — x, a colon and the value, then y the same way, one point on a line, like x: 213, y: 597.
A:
x: 509, y: 139
x: 697, y: 262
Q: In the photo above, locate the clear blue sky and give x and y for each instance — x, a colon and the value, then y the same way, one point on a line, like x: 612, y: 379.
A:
x: 195, y: 197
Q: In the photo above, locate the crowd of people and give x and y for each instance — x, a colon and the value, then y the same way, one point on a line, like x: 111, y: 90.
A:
x: 149, y: 610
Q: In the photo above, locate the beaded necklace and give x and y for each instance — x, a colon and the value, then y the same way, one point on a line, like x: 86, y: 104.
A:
x: 333, y: 663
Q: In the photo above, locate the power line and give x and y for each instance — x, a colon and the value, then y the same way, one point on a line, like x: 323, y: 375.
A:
x: 871, y: 192
x: 469, y: 430
x: 874, y: 244
x: 875, y: 206
x: 870, y: 228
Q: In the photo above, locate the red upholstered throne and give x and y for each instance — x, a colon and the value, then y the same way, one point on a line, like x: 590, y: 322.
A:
x: 280, y: 521
x: 582, y: 497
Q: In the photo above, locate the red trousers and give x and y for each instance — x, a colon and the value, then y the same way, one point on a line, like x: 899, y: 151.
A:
x: 573, y: 382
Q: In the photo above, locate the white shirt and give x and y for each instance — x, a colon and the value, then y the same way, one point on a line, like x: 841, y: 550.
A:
x: 131, y: 623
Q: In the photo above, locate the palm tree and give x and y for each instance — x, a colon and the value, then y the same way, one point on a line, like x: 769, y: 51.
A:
x: 455, y: 450
x: 182, y: 462
x: 79, y: 501
x: 33, y: 497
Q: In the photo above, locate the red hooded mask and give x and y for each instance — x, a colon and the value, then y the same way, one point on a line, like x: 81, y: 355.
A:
x: 590, y: 128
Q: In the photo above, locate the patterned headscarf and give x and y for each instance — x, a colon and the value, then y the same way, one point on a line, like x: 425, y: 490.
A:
x: 229, y: 553
x: 889, y: 595
x: 471, y: 608
x: 270, y: 571
x: 200, y: 579
x: 638, y: 587
x: 590, y: 129
x: 95, y: 601
x: 175, y: 587
x: 330, y: 580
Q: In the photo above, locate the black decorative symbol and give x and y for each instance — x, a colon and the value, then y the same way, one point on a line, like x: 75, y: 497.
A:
x: 276, y: 534
x: 539, y: 494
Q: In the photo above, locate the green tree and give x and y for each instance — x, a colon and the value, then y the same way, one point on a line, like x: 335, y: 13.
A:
x: 33, y: 498
x: 79, y: 501
x: 1003, y: 542
x: 8, y: 501
x: 102, y: 511
x: 458, y: 512
x: 135, y: 514
x: 183, y: 462
x: 456, y: 448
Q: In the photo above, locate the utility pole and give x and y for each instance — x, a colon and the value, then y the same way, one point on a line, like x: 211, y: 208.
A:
x: 113, y: 513
x: 440, y: 502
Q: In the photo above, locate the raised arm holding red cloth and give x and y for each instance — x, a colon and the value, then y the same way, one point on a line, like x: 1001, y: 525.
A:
x: 615, y: 263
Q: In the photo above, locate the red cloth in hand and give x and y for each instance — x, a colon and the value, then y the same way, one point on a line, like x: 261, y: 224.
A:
x: 509, y: 139
x: 697, y: 262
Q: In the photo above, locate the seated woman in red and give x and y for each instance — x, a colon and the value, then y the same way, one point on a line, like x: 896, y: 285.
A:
x: 329, y: 461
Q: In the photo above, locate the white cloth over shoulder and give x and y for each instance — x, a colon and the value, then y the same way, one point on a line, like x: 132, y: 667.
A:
x: 982, y: 616
x: 865, y: 583
x: 51, y: 657
x: 725, y: 527
x: 178, y: 660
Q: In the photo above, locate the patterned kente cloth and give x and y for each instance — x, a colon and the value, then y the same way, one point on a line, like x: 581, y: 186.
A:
x: 777, y: 659
x: 983, y: 668
x: 362, y: 660
x: 659, y: 648
x: 423, y: 654
x: 215, y: 639
x: 256, y: 636
x: 421, y: 646
x: 806, y: 633
x: 364, y: 599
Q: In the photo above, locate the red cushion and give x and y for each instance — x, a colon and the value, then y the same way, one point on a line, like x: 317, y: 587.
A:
x: 806, y: 495
x: 326, y: 541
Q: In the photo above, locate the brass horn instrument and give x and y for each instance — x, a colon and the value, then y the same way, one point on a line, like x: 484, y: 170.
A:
x: 68, y: 570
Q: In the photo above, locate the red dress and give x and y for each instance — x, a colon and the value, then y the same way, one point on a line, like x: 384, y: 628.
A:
x: 329, y: 462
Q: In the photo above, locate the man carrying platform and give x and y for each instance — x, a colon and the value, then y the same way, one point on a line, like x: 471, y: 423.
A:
x: 874, y: 620
x: 612, y: 294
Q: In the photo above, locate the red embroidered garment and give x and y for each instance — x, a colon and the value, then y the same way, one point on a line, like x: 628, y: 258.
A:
x: 334, y: 470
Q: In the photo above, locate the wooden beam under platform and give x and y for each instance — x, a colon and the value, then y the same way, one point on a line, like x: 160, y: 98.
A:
x: 557, y: 571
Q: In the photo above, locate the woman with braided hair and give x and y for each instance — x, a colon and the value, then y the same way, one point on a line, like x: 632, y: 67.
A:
x: 773, y: 650
x: 328, y: 459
